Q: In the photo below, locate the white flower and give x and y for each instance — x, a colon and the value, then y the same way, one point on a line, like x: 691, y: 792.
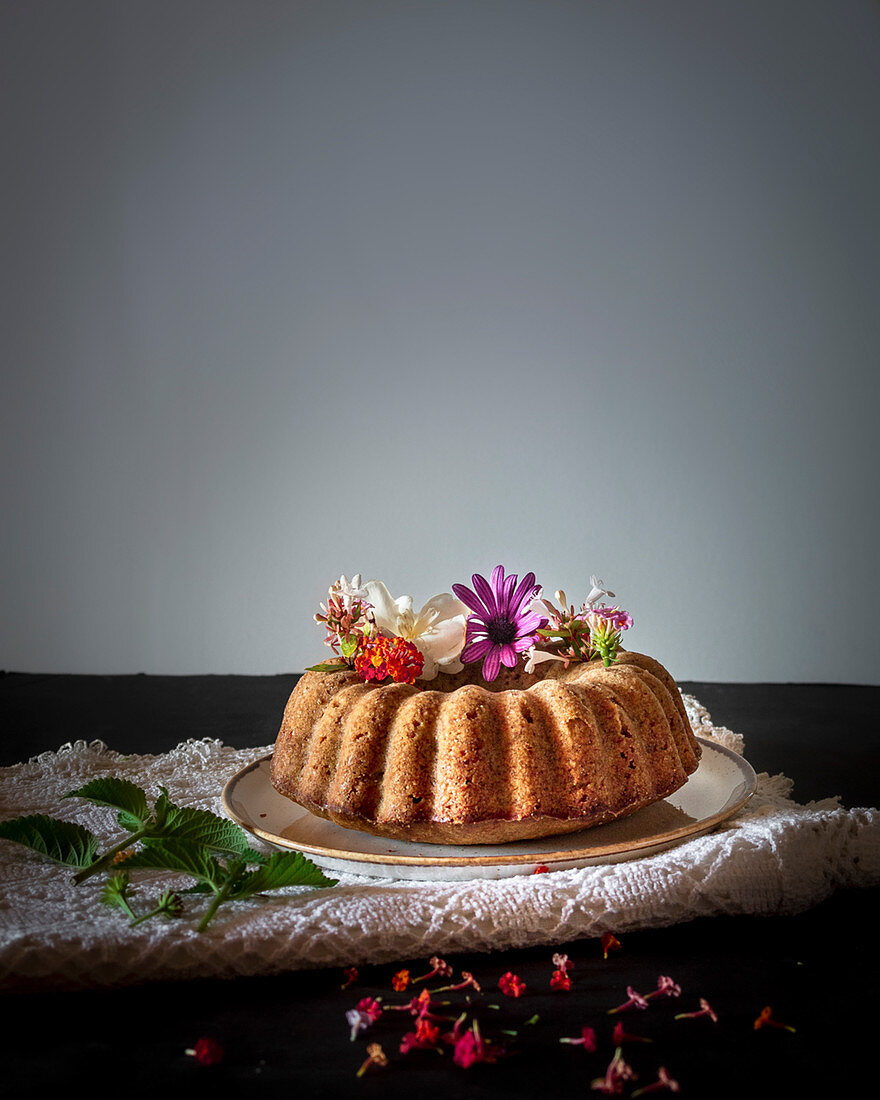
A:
x: 437, y: 631
x: 538, y: 656
x: 349, y: 592
x: 597, y: 592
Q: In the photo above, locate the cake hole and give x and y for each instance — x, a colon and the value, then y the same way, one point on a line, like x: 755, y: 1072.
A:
x: 416, y: 799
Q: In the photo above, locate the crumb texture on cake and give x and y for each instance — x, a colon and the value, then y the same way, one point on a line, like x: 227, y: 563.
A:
x: 457, y: 761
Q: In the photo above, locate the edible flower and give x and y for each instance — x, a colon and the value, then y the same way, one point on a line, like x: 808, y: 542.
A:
x: 366, y: 1013
x: 705, y: 1009
x: 471, y: 1048
x: 766, y: 1020
x: 501, y: 625
x: 437, y: 630
x: 207, y: 1052
x: 620, y: 1036
x: 351, y: 975
x: 439, y: 969
x: 609, y: 942
x: 616, y: 1075
x: 375, y: 1057
x: 511, y: 985
x: 664, y: 1081
x: 393, y: 658
x: 425, y: 1037
x: 634, y: 1000
x: 400, y: 981
x: 666, y: 987
x: 345, y: 616
x: 587, y: 1040
x: 578, y: 634
x: 560, y: 979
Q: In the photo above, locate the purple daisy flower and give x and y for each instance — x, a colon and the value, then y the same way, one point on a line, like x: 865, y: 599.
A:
x: 501, y: 625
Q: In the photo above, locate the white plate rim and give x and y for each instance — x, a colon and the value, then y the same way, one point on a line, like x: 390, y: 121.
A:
x: 623, y: 850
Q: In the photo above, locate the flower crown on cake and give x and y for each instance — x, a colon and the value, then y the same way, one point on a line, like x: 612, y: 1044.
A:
x: 499, y: 621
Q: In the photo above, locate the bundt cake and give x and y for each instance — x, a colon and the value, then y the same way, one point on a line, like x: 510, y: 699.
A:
x: 547, y: 748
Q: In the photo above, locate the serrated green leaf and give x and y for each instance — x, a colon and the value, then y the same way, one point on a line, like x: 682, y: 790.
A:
x: 171, y: 855
x: 63, y: 841
x: 281, y: 869
x: 193, y: 826
x: 118, y: 794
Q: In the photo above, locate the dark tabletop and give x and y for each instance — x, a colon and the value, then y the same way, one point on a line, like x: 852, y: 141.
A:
x: 288, y: 1034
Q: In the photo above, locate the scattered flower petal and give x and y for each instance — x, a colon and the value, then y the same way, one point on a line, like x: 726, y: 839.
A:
x: 375, y: 1057
x: 616, y: 1075
x: 609, y: 943
x: 664, y: 1081
x: 766, y: 1020
x: 634, y: 1000
x: 207, y: 1052
x: 587, y: 1040
x: 704, y: 1010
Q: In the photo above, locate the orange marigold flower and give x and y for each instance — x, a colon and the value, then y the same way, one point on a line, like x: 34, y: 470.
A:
x: 400, y: 981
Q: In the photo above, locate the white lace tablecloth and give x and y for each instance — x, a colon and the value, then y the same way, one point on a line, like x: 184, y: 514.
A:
x: 774, y: 857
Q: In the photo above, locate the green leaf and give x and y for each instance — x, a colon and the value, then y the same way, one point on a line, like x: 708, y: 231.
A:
x: 282, y: 869
x: 118, y: 794
x: 171, y: 855
x: 115, y: 894
x: 200, y: 827
x: 63, y: 841
x: 329, y: 666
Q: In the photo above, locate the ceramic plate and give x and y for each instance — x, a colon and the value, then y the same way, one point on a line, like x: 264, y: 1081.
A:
x: 720, y: 786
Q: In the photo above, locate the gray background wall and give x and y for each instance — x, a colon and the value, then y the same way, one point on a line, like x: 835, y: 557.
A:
x: 292, y: 289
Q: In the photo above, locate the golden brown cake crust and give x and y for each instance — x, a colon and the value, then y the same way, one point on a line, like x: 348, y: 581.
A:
x: 457, y: 761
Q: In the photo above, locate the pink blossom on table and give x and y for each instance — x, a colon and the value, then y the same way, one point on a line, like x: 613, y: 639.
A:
x: 511, y: 985
x: 634, y: 1000
x: 468, y: 981
x: 425, y: 1037
x: 361, y: 1017
x: 375, y: 1057
x: 666, y: 987
x: 616, y: 1076
x: 664, y: 1081
x: 472, y: 1048
x: 207, y: 1052
x: 620, y: 1036
x: 560, y: 980
x: 765, y: 1019
x: 350, y: 973
x: 439, y: 969
x: 705, y: 1009
x: 587, y: 1040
